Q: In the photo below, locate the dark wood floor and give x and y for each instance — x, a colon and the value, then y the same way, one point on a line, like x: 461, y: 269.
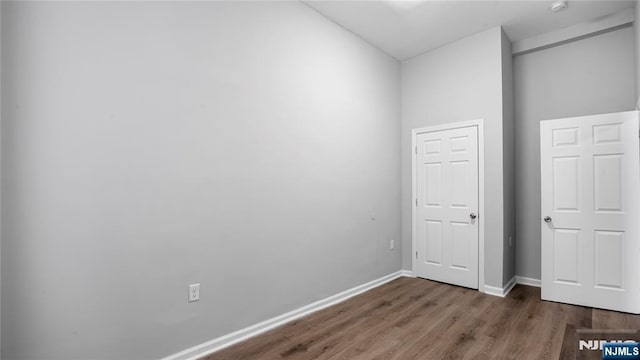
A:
x: 420, y: 319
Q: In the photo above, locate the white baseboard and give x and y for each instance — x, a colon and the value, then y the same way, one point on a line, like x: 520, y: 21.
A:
x: 261, y: 327
x: 407, y: 273
x: 501, y: 292
x: 510, y: 286
x: 528, y: 281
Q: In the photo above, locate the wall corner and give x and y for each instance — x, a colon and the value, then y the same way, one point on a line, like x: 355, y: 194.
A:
x: 636, y: 28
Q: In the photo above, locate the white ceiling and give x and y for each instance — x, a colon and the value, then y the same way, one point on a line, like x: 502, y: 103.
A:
x: 406, y: 28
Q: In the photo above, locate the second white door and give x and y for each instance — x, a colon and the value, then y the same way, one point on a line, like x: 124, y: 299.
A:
x: 447, y: 206
x: 590, y: 211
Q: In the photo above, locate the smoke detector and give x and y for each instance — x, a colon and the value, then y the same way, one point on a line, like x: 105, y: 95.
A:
x: 558, y: 5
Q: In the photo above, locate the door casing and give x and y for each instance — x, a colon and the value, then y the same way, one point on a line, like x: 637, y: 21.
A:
x: 479, y: 123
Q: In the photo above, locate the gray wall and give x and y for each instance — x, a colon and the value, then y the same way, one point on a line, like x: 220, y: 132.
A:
x: 590, y: 76
x: 149, y: 145
x: 508, y: 158
x: 457, y: 82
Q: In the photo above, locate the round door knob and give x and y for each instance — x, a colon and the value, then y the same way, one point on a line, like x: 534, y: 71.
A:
x: 547, y: 219
x: 473, y: 216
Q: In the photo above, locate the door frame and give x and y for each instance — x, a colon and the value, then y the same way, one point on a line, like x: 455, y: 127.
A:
x: 479, y: 124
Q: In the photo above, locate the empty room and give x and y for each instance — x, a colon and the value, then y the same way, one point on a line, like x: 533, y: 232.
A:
x: 388, y: 179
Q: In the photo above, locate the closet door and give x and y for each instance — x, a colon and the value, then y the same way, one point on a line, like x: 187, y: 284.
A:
x: 447, y: 205
x: 590, y: 177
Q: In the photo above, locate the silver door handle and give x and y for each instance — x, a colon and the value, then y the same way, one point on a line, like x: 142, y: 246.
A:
x: 547, y: 219
x: 473, y: 216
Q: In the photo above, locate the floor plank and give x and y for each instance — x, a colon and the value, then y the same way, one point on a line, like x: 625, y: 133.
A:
x: 420, y: 319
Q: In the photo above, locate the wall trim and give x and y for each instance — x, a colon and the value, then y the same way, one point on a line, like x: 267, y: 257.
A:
x: 528, y: 281
x: 575, y: 32
x: 224, y: 341
x: 408, y: 273
x: 500, y: 292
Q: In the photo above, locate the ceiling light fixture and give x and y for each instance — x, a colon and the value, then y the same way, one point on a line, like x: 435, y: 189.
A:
x: 558, y: 5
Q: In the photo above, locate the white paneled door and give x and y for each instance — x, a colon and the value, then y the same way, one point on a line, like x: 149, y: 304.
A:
x: 446, y: 227
x: 590, y: 177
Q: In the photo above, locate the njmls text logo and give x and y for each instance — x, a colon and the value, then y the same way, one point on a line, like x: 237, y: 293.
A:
x: 625, y: 350
x: 599, y: 344
x: 618, y: 344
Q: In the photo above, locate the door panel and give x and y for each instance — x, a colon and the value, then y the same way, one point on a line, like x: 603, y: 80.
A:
x: 609, y: 262
x: 607, y: 177
x: 434, y: 190
x: 433, y: 250
x: 460, y: 184
x: 566, y: 249
x: 447, y: 192
x: 590, y: 177
x: 460, y: 245
x: 566, y: 183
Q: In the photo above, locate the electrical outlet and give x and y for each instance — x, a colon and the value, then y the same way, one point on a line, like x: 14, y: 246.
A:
x: 194, y: 292
x: 392, y: 244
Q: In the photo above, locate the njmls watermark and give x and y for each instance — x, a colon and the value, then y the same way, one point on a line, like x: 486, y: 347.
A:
x: 624, y: 350
x: 607, y: 344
